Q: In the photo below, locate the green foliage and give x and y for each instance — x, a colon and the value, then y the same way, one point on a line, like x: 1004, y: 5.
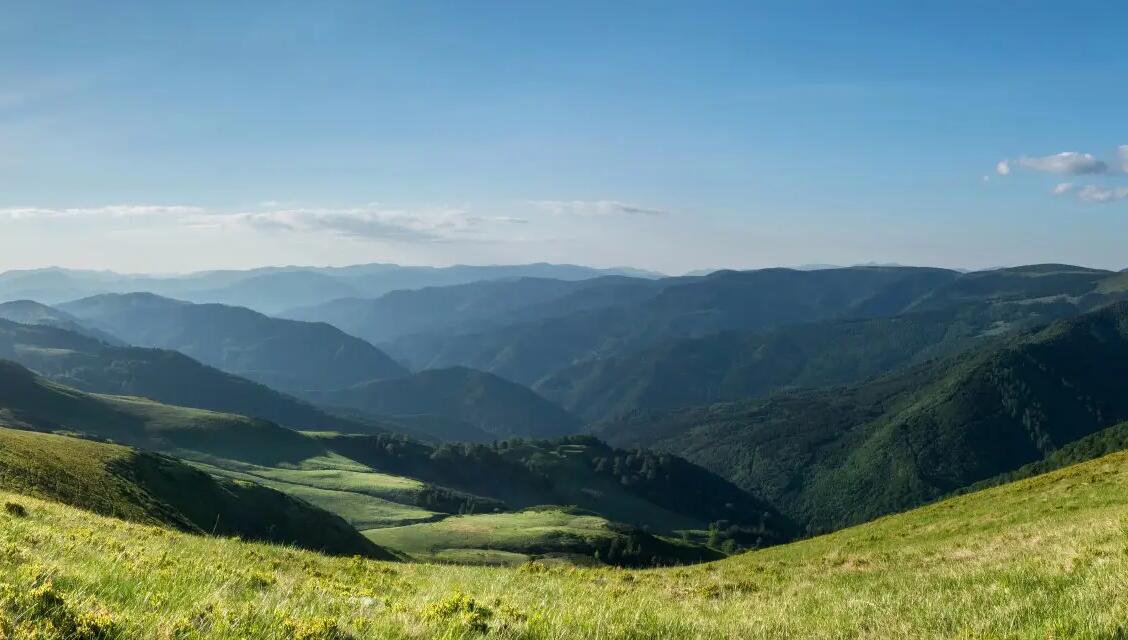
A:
x: 742, y: 365
x: 15, y: 509
x: 830, y: 458
x: 460, y: 610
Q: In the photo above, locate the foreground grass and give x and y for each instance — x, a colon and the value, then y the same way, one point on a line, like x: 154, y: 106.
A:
x: 1042, y: 558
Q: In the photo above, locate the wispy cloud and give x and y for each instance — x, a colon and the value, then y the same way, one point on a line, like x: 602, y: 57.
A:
x: 108, y: 211
x: 1062, y: 188
x: 368, y: 222
x: 1096, y: 194
x: 595, y: 208
x: 1071, y: 163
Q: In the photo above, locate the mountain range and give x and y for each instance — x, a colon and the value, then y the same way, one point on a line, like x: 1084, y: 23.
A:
x: 688, y: 417
x: 274, y: 289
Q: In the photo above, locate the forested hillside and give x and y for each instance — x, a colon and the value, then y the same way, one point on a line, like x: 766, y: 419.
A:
x: 496, y: 406
x: 909, y: 437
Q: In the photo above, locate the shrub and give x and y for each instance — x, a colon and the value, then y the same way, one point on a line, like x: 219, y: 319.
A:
x: 15, y: 509
x: 459, y: 608
x: 315, y: 629
x: 45, y: 604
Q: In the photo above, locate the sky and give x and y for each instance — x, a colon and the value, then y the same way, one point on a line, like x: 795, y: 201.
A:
x: 170, y: 137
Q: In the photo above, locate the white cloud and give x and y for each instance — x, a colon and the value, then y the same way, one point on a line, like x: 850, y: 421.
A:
x: 595, y: 208
x: 1122, y: 156
x: 1003, y: 168
x: 1094, y: 193
x: 1062, y: 188
x: 110, y: 211
x: 369, y: 222
x: 1067, y: 162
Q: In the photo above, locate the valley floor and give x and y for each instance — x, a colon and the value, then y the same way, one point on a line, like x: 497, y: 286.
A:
x: 1041, y: 558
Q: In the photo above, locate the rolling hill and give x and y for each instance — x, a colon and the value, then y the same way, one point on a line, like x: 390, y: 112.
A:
x: 909, y: 437
x: 1038, y: 558
x: 31, y: 312
x: 30, y: 402
x: 374, y: 482
x: 285, y: 354
x: 483, y: 400
x: 143, y: 487
x: 164, y: 376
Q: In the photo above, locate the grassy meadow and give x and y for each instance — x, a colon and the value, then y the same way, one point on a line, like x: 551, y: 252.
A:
x: 1045, y: 557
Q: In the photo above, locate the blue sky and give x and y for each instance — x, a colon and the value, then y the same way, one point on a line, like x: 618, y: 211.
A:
x: 665, y: 135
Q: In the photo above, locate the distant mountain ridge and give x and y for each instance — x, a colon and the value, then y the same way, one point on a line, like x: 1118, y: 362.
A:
x: 274, y: 289
x: 31, y: 312
x: 609, y: 321
x: 285, y: 354
x: 162, y: 375
x: 605, y: 319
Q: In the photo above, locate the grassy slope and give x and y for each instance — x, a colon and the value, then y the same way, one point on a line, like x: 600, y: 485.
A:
x: 512, y: 538
x: 27, y: 401
x: 143, y: 487
x: 1040, y: 558
x: 658, y: 491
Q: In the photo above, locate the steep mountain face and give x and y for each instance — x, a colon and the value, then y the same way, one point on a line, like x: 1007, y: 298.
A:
x: 284, y: 354
x: 118, y: 481
x: 910, y: 437
x: 489, y: 403
x: 31, y: 312
x: 676, y: 308
x: 165, y: 376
